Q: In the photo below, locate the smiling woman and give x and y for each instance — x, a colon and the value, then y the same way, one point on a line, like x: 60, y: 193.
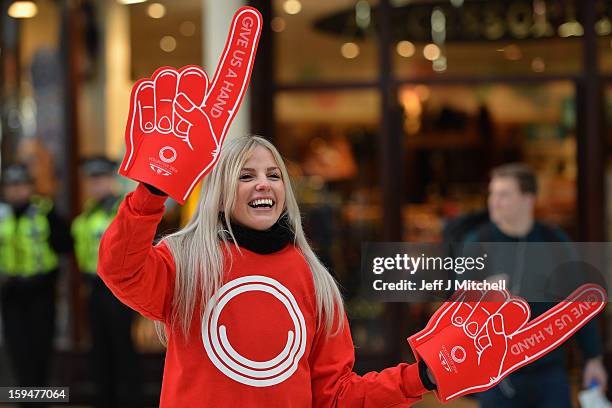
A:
x: 260, y: 196
x: 240, y: 297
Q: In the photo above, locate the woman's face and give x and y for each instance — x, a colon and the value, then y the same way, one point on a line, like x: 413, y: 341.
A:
x: 260, y: 195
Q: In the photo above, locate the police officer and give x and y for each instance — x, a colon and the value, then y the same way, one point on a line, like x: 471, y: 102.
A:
x: 115, y: 362
x: 31, y: 237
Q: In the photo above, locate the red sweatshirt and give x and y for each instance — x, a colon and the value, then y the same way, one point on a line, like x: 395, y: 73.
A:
x: 257, y: 344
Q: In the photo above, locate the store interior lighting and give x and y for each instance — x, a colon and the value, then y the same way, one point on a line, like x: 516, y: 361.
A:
x: 130, y: 1
x: 349, y: 50
x: 156, y: 10
x: 167, y: 43
x: 292, y: 6
x: 278, y: 24
x: 23, y: 9
x: 431, y: 52
x: 405, y: 49
x: 187, y: 28
x: 362, y: 14
x: 439, y: 64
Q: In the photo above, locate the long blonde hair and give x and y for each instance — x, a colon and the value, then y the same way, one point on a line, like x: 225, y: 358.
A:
x: 196, y: 248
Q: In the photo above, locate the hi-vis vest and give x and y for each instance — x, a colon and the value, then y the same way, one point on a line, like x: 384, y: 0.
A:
x: 25, y: 248
x: 87, y: 231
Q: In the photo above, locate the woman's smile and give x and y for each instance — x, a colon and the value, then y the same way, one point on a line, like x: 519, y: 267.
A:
x: 260, y: 194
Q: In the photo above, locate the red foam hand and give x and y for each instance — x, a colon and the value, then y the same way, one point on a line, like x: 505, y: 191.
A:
x: 177, y: 121
x: 478, y: 337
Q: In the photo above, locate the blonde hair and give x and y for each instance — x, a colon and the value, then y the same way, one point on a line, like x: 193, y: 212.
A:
x: 196, y: 248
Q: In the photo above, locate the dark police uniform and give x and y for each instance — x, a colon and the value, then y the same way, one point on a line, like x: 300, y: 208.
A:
x: 31, y: 237
x: 115, y: 363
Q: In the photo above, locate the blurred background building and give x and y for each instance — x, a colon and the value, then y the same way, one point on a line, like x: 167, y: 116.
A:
x: 390, y: 112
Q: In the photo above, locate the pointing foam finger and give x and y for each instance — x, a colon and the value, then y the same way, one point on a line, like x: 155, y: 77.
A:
x: 233, y: 71
x: 551, y: 329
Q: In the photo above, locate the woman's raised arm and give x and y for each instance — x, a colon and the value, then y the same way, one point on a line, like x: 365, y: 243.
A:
x: 139, y: 274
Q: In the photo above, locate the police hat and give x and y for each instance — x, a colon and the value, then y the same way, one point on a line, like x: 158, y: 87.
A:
x: 98, y: 166
x: 16, y: 174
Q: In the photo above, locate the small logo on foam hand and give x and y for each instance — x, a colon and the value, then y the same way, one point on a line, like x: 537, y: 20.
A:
x: 444, y: 362
x: 458, y: 354
x: 446, y: 358
x: 165, y: 157
x: 159, y: 170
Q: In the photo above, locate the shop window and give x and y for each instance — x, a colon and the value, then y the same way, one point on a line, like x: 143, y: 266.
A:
x: 455, y: 134
x: 331, y: 142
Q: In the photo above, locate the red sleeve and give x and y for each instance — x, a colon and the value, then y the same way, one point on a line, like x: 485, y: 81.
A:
x: 139, y: 274
x: 334, y: 384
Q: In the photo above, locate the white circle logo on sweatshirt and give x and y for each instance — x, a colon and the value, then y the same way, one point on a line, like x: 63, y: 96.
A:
x: 229, y: 361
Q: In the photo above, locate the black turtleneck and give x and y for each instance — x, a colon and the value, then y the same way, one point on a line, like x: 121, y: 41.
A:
x: 263, y: 242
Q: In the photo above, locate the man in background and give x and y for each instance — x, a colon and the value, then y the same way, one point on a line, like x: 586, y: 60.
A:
x: 511, y: 204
